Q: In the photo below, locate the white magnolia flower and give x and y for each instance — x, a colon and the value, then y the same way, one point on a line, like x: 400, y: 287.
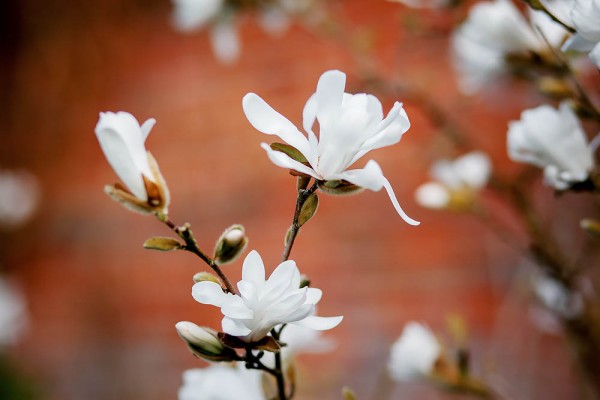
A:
x: 585, y: 15
x: 554, y: 140
x: 19, y: 197
x: 13, y: 314
x: 222, y: 382
x: 455, y: 182
x: 263, y: 304
x: 349, y: 127
x: 122, y: 141
x: 414, y: 354
x: 493, y: 32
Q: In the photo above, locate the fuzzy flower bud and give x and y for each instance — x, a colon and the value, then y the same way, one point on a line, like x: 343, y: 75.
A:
x: 204, y: 342
x: 122, y: 141
x: 230, y: 245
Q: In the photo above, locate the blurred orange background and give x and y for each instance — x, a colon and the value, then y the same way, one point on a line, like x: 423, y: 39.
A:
x: 103, y: 309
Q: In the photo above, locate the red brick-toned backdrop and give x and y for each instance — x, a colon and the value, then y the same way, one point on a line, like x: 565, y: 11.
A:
x: 103, y: 309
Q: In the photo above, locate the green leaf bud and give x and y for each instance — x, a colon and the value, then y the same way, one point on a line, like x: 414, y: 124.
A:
x: 309, y: 208
x: 162, y: 244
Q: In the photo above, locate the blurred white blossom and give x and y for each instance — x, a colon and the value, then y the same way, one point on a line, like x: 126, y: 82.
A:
x: 554, y: 140
x: 19, y: 197
x: 13, y: 313
x: 494, y: 32
x: 263, y: 304
x: 349, y: 127
x: 557, y: 298
x: 456, y: 182
x: 219, y: 16
x: 222, y: 382
x: 585, y: 17
x: 122, y: 140
x: 414, y: 354
x: 423, y: 3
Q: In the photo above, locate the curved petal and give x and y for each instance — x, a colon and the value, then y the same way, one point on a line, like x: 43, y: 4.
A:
x: 370, y: 177
x: 283, y: 160
x: 388, y: 132
x: 253, y: 269
x: 320, y: 323
x: 329, y: 95
x: 399, y: 210
x: 234, y: 327
x: 207, y: 292
x: 147, y: 127
x: 313, y: 295
x: 265, y: 119
x: 283, y: 274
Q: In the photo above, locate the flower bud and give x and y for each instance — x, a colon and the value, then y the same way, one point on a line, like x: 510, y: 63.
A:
x: 205, y: 276
x: 204, y: 342
x: 230, y: 245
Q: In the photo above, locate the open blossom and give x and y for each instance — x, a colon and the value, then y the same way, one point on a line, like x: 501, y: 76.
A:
x: 122, y: 141
x: 554, y: 140
x: 219, y: 16
x: 585, y: 16
x: 222, y: 382
x: 455, y: 182
x: 414, y: 354
x: 349, y: 127
x: 263, y: 304
x: 495, y: 32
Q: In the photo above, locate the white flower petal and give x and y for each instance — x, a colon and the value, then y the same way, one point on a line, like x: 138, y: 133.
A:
x: 329, y: 95
x: 234, y: 327
x: 207, y: 292
x: 595, y: 55
x: 432, y: 195
x: 265, y: 119
x: 147, y: 127
x: 313, y: 295
x: 320, y: 323
x: 193, y: 14
x: 370, y: 177
x: 253, y: 269
x: 399, y: 210
x: 473, y: 168
x: 224, y: 41
x: 274, y: 20
x: 236, y: 308
x: 283, y: 160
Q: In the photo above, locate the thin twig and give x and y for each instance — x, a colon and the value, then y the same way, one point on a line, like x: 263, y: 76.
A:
x: 191, y: 245
x: 303, y: 194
